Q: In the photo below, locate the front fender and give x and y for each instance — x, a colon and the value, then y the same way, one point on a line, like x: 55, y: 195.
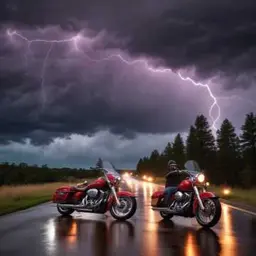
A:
x: 203, y: 195
x: 125, y: 193
x: 119, y: 194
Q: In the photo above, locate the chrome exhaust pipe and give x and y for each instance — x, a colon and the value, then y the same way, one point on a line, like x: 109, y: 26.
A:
x: 168, y: 210
x: 162, y: 209
x: 71, y: 206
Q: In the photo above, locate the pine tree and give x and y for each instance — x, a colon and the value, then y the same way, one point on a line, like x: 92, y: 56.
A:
x: 154, y: 161
x: 139, y: 166
x: 144, y: 166
x: 192, y: 145
x: 204, y: 147
x: 248, y: 144
x: 228, y: 154
x: 178, y: 150
x: 165, y: 156
x: 168, y: 152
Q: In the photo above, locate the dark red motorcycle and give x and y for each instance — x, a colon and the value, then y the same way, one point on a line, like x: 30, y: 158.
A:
x: 191, y: 199
x: 100, y: 196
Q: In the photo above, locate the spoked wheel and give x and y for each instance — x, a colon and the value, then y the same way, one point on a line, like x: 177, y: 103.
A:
x: 64, y: 211
x: 211, y: 214
x: 126, y: 210
x: 166, y: 216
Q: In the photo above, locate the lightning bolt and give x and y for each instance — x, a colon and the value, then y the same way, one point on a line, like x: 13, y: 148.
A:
x: 75, y: 40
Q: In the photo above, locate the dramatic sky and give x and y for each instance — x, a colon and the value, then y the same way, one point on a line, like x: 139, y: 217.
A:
x: 84, y: 79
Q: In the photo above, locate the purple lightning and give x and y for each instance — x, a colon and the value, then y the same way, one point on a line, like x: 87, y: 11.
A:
x: 75, y: 40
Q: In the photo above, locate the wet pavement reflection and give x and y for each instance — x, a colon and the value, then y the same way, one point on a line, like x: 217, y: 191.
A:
x: 44, y: 232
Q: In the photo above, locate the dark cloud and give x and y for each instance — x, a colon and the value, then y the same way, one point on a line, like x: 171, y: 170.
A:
x: 76, y: 95
x: 215, y: 37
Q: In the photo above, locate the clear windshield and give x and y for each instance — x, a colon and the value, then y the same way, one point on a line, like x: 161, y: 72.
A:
x: 192, y: 167
x: 110, y: 168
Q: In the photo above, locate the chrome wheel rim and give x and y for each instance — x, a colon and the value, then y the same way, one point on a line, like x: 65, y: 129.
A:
x: 207, y: 215
x: 165, y: 214
x: 125, y: 207
x: 63, y: 209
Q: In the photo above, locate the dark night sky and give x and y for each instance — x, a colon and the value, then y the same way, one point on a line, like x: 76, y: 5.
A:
x: 61, y: 105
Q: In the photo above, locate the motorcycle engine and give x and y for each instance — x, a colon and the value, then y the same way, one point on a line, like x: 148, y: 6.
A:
x: 181, y: 200
x: 93, y: 198
x: 179, y: 196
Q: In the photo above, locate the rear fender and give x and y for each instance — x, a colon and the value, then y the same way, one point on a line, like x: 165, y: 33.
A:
x: 157, y: 194
x: 156, y: 198
x: 203, y: 195
x: 111, y: 199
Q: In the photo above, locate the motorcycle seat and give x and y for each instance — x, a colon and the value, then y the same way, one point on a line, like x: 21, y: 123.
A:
x: 81, y: 186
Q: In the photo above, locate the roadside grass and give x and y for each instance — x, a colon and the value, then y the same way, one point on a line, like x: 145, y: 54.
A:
x: 14, y: 198
x: 246, y: 196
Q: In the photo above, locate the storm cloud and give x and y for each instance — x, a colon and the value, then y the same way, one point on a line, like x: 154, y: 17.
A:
x: 95, y: 83
x: 68, y: 92
x: 215, y: 37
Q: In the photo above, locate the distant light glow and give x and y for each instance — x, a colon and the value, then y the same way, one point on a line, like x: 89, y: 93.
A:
x: 226, y: 191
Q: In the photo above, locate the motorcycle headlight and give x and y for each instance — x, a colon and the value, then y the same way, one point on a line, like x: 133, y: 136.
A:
x: 118, y: 180
x: 201, y: 178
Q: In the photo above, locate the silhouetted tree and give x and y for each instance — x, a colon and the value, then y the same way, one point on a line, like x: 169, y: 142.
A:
x: 229, y: 162
x: 178, y: 150
x: 154, y: 162
x: 248, y: 144
x: 206, y: 148
x: 228, y: 155
x: 139, y: 166
x: 192, y: 145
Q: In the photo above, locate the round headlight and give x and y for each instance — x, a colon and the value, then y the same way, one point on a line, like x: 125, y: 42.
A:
x: 201, y: 178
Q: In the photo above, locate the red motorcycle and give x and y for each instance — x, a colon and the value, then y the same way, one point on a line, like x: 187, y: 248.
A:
x: 100, y: 196
x: 191, y: 199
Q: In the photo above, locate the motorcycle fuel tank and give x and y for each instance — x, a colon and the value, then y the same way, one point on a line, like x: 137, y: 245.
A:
x: 185, y: 185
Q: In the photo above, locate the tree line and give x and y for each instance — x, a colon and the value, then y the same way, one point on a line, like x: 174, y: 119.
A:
x: 11, y: 173
x: 226, y: 158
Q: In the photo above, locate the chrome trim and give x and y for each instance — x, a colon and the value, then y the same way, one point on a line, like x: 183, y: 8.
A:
x: 198, y: 197
x: 115, y: 195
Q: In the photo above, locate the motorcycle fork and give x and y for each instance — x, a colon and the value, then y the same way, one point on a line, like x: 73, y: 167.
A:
x: 198, y: 198
x: 115, y: 195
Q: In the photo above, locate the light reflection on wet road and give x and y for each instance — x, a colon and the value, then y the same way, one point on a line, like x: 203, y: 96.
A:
x: 41, y: 231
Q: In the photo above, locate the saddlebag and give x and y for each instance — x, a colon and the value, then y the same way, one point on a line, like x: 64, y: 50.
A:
x: 63, y: 195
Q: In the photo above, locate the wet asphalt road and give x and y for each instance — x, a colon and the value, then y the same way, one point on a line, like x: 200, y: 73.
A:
x: 41, y: 231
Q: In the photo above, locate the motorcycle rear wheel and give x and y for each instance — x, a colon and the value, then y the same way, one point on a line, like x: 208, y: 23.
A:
x: 166, y: 216
x: 65, y: 211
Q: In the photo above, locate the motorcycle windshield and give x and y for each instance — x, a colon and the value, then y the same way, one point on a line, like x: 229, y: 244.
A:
x: 192, y: 167
x: 110, y: 169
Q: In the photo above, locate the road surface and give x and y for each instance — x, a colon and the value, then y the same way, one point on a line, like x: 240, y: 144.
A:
x: 41, y: 231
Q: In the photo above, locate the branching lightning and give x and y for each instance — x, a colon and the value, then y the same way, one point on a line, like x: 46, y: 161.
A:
x: 75, y: 40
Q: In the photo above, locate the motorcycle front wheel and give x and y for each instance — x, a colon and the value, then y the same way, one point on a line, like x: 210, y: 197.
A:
x: 211, y: 214
x: 127, y: 208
